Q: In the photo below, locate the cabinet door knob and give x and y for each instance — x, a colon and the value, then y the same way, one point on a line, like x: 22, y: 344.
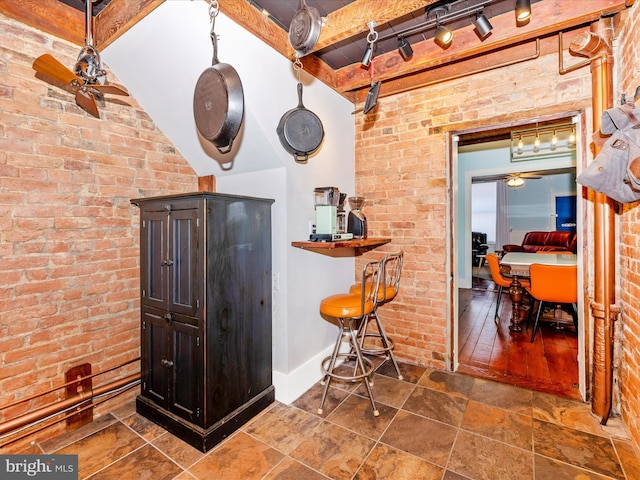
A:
x: 168, y: 318
x: 168, y: 262
x: 166, y: 363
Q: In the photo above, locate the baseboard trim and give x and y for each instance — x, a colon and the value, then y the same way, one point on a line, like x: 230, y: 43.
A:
x: 290, y: 386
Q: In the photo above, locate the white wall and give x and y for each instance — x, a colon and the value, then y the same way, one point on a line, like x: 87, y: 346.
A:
x: 159, y: 61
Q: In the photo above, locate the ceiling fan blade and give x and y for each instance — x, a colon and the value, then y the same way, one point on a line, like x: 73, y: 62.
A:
x: 110, y: 88
x: 86, y: 101
x: 51, y: 67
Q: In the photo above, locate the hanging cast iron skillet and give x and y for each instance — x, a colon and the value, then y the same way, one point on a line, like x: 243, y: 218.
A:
x: 218, y: 102
x: 300, y: 131
x: 304, y: 29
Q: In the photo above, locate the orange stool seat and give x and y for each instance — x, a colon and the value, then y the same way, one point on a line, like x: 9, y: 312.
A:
x: 345, y: 305
x: 385, y: 293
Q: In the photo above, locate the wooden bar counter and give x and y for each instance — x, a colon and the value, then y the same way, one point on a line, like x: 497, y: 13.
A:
x: 355, y: 243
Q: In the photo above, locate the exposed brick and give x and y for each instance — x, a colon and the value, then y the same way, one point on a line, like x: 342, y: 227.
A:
x: 69, y: 278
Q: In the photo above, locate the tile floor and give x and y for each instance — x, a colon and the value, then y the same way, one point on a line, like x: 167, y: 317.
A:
x: 432, y: 425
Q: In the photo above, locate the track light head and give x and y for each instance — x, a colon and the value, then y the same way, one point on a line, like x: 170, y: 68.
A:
x: 523, y: 11
x: 443, y: 36
x: 483, y: 26
x: 368, y: 55
x: 405, y: 48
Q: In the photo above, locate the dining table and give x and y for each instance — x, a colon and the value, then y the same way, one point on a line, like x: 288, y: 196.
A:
x: 515, y: 265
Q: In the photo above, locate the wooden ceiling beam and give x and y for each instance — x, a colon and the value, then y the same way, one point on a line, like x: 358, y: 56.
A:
x: 50, y: 16
x: 118, y: 17
x: 548, y: 17
x: 352, y: 19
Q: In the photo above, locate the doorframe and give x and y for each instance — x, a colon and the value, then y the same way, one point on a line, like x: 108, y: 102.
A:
x: 452, y: 137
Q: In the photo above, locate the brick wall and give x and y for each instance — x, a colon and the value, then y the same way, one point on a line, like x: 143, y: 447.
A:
x: 69, y: 269
x: 402, y: 171
x: 628, y: 70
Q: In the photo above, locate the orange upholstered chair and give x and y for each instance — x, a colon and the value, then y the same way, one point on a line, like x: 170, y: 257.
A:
x: 350, y: 310
x: 391, y: 268
x: 556, y: 284
x: 500, y: 280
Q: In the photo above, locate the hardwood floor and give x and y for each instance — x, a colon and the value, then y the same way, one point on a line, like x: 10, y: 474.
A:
x: 488, y: 349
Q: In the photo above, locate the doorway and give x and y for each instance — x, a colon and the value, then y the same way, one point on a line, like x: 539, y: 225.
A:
x: 482, y: 346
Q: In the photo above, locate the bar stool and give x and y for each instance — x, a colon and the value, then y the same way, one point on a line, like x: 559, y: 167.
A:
x: 391, y: 267
x: 350, y: 310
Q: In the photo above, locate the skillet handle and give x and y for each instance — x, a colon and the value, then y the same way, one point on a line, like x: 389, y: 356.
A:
x: 300, y: 105
x: 226, y: 149
x: 300, y: 158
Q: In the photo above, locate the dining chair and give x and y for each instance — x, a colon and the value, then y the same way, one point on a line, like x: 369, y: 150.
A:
x: 500, y: 280
x: 555, y: 284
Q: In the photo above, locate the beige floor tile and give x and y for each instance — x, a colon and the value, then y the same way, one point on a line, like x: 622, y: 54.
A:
x: 481, y: 458
x: 421, y: 436
x: 582, y: 449
x: 448, y: 382
x: 334, y: 451
x: 147, y: 462
x: 356, y: 413
x: 283, y: 427
x: 387, y: 390
x: 178, y: 450
x: 436, y: 405
x: 386, y: 463
x: 103, y: 448
x: 502, y: 425
x: 502, y: 395
x: 239, y: 457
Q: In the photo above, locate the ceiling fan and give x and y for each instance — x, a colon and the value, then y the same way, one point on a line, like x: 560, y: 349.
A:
x: 516, y: 180
x: 88, y: 77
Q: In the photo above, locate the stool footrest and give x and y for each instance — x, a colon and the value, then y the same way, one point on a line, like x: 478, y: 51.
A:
x: 368, y: 368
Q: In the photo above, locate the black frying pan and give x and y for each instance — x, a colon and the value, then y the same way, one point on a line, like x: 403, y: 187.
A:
x: 218, y: 102
x: 300, y: 131
x: 304, y: 29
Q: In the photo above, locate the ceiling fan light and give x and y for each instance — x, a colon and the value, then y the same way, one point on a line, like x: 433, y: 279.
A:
x: 483, y: 25
x: 523, y: 10
x: 515, y: 182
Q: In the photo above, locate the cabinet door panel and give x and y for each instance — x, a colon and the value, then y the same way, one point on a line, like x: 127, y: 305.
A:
x: 153, y: 274
x: 156, y: 350
x: 186, y: 262
x: 187, y: 372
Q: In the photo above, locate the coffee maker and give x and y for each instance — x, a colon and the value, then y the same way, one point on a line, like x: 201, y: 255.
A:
x: 327, y: 205
x: 357, y: 222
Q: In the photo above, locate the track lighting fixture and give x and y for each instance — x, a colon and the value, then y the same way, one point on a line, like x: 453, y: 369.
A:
x: 543, y: 141
x: 405, y: 48
x: 482, y: 24
x: 371, y: 40
x: 442, y: 36
x: 523, y: 11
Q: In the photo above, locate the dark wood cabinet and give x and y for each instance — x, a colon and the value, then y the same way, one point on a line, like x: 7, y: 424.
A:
x: 205, y: 301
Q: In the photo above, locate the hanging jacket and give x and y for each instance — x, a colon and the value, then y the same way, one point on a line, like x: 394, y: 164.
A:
x: 616, y: 169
